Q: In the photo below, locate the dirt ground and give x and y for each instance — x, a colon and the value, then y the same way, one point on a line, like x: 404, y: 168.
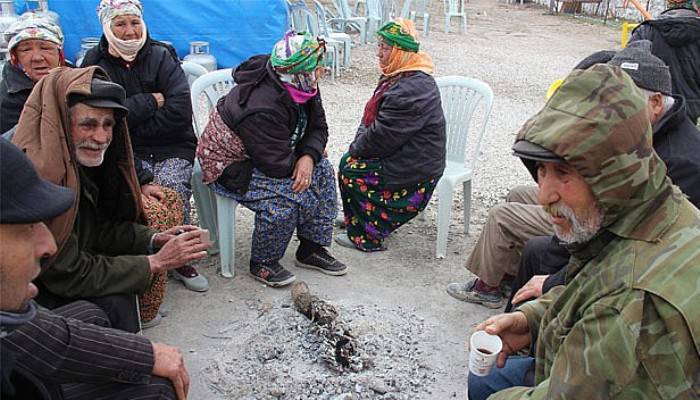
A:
x: 517, y: 50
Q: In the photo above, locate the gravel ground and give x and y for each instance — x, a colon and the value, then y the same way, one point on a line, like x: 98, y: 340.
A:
x: 243, y: 340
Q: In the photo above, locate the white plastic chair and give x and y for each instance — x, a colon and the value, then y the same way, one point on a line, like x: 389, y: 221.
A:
x: 455, y: 8
x: 206, y: 91
x: 203, y: 200
x: 327, y: 33
x: 420, y: 12
x: 346, y: 18
x: 302, y: 20
x: 192, y: 71
x: 460, y: 96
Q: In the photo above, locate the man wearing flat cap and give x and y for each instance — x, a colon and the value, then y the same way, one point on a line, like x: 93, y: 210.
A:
x: 626, y: 322
x: 41, y: 350
x: 73, y: 129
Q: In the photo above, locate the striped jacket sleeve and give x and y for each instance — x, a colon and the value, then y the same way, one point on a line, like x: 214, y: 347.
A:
x: 64, y: 350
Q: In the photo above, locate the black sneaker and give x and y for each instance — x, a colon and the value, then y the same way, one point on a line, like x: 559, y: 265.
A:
x: 273, y: 275
x: 324, y: 262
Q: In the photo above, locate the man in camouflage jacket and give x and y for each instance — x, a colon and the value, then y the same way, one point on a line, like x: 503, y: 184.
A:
x: 627, y: 323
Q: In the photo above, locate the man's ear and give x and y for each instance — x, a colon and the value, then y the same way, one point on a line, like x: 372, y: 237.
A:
x: 655, y: 105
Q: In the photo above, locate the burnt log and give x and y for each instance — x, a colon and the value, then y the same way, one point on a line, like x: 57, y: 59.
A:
x: 315, y: 309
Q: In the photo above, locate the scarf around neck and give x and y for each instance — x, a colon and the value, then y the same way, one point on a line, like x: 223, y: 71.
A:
x: 124, y: 49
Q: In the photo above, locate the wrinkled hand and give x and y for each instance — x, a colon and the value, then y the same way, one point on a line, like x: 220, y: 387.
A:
x: 512, y: 329
x: 162, y: 238
x: 531, y: 290
x: 160, y: 99
x: 178, y: 251
x: 168, y: 363
x: 154, y: 192
x: 302, y: 173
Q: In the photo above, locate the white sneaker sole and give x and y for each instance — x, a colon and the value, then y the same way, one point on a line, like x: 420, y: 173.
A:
x: 185, y: 282
x: 325, y: 271
x: 275, y: 284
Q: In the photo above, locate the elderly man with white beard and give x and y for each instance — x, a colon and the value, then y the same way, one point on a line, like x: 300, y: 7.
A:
x: 675, y: 139
x: 624, y: 323
x: 73, y: 128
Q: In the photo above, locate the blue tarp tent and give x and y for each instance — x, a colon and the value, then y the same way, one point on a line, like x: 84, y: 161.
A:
x: 235, y: 29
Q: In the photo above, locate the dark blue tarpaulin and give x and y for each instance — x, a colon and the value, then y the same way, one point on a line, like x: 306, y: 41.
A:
x: 235, y: 29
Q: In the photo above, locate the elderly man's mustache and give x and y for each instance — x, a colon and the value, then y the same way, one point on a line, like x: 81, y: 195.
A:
x: 89, y: 144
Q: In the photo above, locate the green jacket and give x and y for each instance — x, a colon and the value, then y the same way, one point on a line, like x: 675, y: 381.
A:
x: 102, y: 255
x: 627, y: 323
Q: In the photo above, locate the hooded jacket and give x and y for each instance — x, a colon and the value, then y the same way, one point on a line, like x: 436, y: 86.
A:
x: 156, y: 133
x: 15, y: 87
x: 675, y: 38
x: 99, y: 237
x: 626, y: 325
x: 261, y: 111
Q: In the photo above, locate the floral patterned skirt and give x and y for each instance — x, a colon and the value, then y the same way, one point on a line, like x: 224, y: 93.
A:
x: 161, y: 215
x: 371, y: 211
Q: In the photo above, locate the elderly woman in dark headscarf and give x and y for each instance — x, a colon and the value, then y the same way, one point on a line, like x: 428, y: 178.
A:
x: 36, y: 47
x: 264, y: 147
x: 158, y: 99
x: 392, y: 167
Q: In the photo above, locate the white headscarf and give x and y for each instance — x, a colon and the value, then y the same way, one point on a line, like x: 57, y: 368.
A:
x: 110, y: 9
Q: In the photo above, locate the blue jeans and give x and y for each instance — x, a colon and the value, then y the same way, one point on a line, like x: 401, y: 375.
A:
x: 518, y: 371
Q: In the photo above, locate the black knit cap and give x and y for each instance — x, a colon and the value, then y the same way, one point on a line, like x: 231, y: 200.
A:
x: 646, y: 70
x: 26, y: 198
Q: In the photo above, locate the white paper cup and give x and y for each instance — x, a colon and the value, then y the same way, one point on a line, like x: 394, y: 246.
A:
x: 204, y: 236
x: 483, y: 352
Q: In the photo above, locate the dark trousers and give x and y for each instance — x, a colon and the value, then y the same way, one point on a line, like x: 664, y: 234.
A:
x: 157, y: 388
x: 121, y: 309
x: 518, y: 371
x: 542, y: 255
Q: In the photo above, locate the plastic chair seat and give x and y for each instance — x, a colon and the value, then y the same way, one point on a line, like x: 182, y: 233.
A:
x: 455, y: 173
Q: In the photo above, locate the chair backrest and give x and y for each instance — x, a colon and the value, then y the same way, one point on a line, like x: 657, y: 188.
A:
x: 406, y: 9
x: 420, y: 7
x: 375, y: 9
x: 454, y: 6
x: 205, y: 92
x: 389, y: 10
x: 323, y: 28
x: 302, y: 20
x: 343, y: 8
x: 192, y: 71
x: 460, y: 98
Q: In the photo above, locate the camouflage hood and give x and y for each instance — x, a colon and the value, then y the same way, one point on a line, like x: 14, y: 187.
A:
x: 597, y: 122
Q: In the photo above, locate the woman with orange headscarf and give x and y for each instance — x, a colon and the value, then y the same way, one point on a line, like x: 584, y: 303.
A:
x: 392, y: 167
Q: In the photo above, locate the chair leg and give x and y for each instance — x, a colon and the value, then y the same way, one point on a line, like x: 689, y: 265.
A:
x: 206, y: 208
x: 464, y: 23
x: 426, y: 24
x: 445, y: 194
x: 347, y: 45
x: 467, y: 186
x: 447, y: 24
x: 363, y: 33
x: 227, y: 230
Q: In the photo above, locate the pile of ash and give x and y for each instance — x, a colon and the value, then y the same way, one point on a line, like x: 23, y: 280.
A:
x: 285, y: 355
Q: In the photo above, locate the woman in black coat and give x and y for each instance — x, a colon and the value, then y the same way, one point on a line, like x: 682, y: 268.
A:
x: 265, y: 145
x: 392, y: 167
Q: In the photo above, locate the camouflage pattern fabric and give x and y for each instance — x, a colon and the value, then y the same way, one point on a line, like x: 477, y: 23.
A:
x: 627, y: 323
